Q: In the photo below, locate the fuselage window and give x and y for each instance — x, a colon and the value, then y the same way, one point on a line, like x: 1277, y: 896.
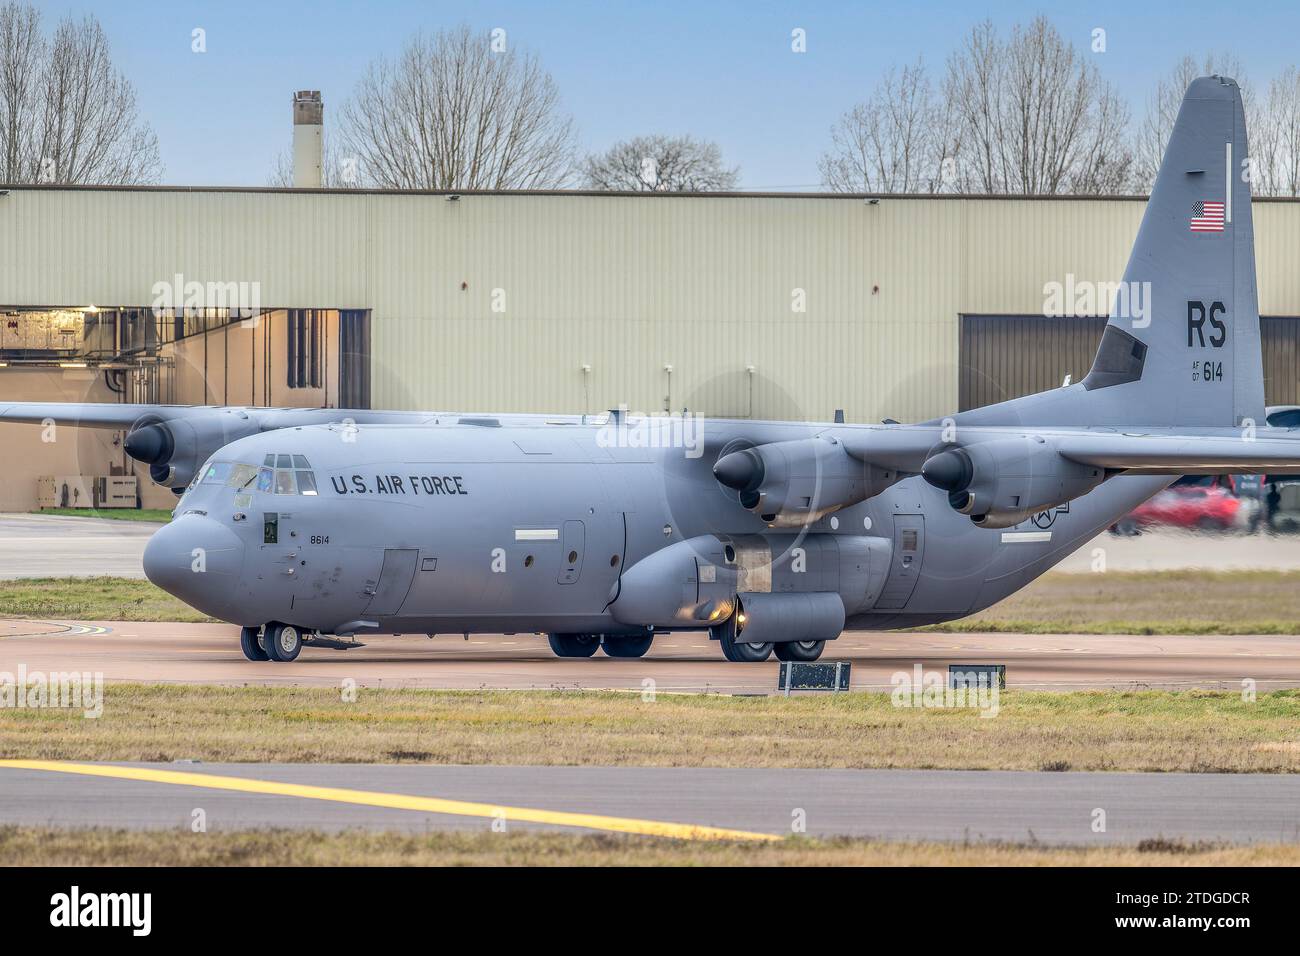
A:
x: 284, y: 483
x: 265, y: 478
x: 306, y: 481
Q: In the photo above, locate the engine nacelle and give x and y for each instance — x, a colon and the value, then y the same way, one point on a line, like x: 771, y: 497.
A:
x: 692, y: 583
x: 1001, y: 483
x: 702, y: 581
x: 792, y: 483
x: 175, y: 449
x: 816, y: 616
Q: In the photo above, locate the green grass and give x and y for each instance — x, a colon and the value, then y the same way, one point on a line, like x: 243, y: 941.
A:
x: 93, y: 599
x: 119, y: 514
x: 1094, y: 730
x: 51, y: 846
x: 1147, y: 602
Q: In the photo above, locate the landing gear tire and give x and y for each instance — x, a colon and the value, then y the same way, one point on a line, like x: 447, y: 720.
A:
x: 736, y: 651
x: 250, y: 645
x: 574, y: 645
x: 283, y: 642
x: 627, y: 646
x: 799, y: 650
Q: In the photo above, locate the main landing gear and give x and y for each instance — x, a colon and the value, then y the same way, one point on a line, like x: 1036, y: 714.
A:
x: 799, y: 650
x: 275, y: 642
x: 737, y: 651
x: 584, y: 645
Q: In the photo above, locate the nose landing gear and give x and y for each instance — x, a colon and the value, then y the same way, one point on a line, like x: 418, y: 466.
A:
x: 275, y: 642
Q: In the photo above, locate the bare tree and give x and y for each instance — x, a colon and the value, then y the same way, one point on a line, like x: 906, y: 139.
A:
x: 1035, y: 116
x: 454, y: 113
x: 1274, y: 131
x: 1162, y: 110
x: 901, y: 139
x: 67, y: 115
x: 660, y: 164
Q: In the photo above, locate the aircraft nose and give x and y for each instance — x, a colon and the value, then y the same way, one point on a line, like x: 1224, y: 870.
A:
x: 196, y: 559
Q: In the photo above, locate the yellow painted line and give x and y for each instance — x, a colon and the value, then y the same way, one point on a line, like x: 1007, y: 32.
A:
x: 395, y: 801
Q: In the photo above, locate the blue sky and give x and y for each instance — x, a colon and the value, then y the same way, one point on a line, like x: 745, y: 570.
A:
x: 720, y: 70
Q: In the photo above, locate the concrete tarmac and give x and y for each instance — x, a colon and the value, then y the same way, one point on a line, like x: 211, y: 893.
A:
x: 209, y: 654
x: 56, y: 546
x: 1020, y: 806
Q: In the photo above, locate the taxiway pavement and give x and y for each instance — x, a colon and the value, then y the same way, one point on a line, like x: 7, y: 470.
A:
x: 1018, y: 806
x: 209, y: 654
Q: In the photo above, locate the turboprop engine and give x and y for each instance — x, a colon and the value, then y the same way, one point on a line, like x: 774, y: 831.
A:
x: 1002, y: 482
x: 792, y: 483
x: 174, y: 449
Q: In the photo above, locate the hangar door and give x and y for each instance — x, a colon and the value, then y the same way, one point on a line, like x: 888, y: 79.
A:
x: 1006, y: 356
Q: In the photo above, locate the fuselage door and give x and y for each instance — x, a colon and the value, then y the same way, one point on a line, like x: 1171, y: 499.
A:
x: 905, y: 566
x: 574, y: 542
x: 394, y: 581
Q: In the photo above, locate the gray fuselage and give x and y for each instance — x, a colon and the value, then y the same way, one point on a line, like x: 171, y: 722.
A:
x: 457, y: 528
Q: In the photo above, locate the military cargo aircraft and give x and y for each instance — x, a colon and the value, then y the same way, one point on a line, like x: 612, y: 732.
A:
x: 774, y: 537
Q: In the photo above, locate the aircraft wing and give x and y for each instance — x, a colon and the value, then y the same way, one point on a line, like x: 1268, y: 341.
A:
x: 89, y: 414
x: 124, y: 416
x: 1184, y: 454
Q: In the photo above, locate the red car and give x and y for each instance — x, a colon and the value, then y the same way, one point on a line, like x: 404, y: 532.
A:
x: 1206, y: 503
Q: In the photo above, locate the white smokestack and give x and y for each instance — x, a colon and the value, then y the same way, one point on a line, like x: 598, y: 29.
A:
x: 308, y: 119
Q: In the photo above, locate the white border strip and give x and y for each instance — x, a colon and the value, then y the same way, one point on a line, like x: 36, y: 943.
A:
x: 537, y: 534
x: 1227, y: 149
x: 1025, y: 537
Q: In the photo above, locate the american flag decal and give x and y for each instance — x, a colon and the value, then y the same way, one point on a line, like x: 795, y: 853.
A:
x: 1207, y: 216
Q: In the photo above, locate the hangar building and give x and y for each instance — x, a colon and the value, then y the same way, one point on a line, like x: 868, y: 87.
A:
x: 744, y: 305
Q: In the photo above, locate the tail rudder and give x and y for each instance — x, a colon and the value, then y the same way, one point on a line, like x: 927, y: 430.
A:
x: 1182, y: 345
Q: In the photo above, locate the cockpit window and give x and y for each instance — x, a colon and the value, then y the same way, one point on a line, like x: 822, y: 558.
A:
x: 241, y: 476
x: 281, y: 474
x: 216, y: 473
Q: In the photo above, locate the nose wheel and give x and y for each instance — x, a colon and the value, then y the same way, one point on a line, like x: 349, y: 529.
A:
x: 275, y: 642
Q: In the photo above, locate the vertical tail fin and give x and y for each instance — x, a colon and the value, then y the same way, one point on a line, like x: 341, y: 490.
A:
x: 1182, y: 346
